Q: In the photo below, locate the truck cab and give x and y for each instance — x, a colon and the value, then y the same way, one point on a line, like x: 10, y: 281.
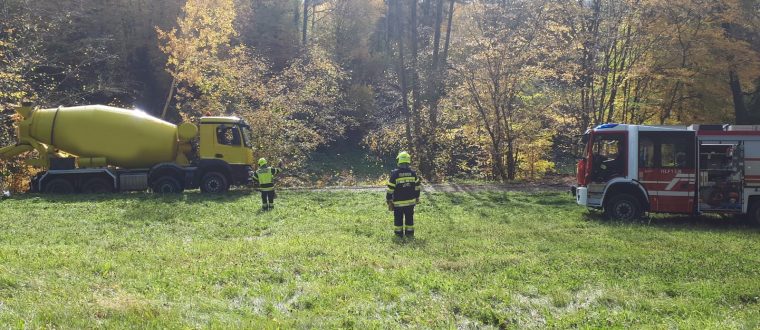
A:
x: 226, y: 138
x: 225, y: 153
x: 609, y: 167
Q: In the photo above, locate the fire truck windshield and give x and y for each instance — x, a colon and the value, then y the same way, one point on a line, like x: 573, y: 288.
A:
x: 580, y: 147
x: 608, y: 155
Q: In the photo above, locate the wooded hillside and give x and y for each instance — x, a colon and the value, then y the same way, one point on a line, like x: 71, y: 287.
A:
x: 493, y: 89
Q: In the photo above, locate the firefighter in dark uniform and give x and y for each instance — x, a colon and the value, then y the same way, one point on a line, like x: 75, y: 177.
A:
x: 264, y: 177
x: 403, y: 194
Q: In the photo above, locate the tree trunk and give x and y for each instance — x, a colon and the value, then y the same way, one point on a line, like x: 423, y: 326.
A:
x: 305, y: 21
x: 753, y: 108
x: 740, y: 108
x: 426, y: 12
x: 296, y: 14
x: 435, y: 84
x: 511, y: 163
x: 671, y: 104
x: 169, y: 97
x: 448, y: 32
x: 498, y: 164
x: 416, y: 91
x: 388, y: 31
x: 313, y: 17
x: 437, y: 35
x: 401, y: 68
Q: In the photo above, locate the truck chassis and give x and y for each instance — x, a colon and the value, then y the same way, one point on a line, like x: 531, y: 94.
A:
x: 162, y: 178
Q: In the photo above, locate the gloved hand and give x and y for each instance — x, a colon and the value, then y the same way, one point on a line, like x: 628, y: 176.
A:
x: 390, y: 205
x: 417, y: 201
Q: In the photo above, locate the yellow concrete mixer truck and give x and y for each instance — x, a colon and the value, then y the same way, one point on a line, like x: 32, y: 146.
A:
x: 100, y: 149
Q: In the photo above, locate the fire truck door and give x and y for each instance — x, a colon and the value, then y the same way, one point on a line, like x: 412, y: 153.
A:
x: 667, y: 170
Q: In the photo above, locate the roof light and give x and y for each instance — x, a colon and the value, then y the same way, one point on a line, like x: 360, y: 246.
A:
x: 604, y: 126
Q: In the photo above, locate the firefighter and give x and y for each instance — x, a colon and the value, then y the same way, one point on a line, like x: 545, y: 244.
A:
x: 402, y: 195
x: 264, y: 177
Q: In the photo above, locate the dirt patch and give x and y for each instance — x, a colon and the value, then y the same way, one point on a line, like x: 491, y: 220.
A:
x: 112, y: 301
x: 522, y: 187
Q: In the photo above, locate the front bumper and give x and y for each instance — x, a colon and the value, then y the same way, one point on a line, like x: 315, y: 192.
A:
x: 581, y: 196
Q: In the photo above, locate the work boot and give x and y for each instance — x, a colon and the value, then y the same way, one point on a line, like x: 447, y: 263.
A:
x: 271, y: 206
x: 399, y: 231
x: 409, y: 232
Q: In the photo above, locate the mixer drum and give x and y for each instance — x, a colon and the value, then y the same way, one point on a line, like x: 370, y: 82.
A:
x: 125, y: 138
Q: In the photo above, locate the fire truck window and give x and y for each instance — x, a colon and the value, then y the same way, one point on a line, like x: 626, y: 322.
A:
x: 674, y: 155
x: 646, y: 153
x: 607, y: 147
x: 609, y: 156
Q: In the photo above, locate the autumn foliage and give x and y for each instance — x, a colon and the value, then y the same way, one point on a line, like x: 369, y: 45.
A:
x: 481, y: 89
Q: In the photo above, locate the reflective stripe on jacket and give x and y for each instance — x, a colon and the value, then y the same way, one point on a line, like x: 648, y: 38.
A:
x: 403, y: 187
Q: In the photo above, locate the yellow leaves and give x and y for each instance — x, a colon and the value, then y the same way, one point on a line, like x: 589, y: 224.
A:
x: 14, y: 173
x: 213, y: 75
x: 292, y: 112
x: 533, y: 158
x: 206, y: 31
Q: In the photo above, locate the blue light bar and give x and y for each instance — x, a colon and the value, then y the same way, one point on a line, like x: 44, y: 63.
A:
x: 603, y: 126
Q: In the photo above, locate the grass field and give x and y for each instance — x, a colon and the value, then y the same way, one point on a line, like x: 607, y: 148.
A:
x: 328, y: 260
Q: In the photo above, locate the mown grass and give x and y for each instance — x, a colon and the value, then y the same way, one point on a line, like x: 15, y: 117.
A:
x: 328, y: 260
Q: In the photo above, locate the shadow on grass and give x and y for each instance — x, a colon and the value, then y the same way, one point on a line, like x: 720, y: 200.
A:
x: 187, y: 197
x: 417, y: 242
x: 707, y: 222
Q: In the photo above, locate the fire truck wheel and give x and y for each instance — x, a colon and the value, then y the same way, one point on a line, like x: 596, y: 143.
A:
x: 754, y: 213
x: 623, y: 207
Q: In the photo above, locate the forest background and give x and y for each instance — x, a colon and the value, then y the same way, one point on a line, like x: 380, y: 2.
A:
x: 479, y: 89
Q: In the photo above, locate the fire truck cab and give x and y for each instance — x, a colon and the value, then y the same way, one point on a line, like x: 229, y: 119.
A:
x: 627, y: 170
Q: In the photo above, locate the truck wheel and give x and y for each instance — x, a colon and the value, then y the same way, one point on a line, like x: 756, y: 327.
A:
x: 622, y: 207
x: 59, y: 187
x: 167, y: 185
x: 214, y: 183
x: 97, y: 186
x: 754, y: 214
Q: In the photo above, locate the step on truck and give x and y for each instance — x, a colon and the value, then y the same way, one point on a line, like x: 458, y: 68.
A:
x: 626, y: 170
x: 100, y: 149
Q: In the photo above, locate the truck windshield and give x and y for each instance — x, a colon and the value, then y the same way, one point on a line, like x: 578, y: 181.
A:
x: 579, y: 151
x: 609, y: 156
x: 247, y: 135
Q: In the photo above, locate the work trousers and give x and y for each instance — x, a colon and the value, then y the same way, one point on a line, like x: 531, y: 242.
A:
x: 403, y: 219
x: 267, y: 197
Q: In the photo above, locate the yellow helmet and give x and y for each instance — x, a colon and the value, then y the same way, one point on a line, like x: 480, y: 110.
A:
x: 404, y: 158
x: 262, y: 161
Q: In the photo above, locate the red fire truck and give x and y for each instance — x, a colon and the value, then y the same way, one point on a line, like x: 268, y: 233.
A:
x: 627, y: 170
